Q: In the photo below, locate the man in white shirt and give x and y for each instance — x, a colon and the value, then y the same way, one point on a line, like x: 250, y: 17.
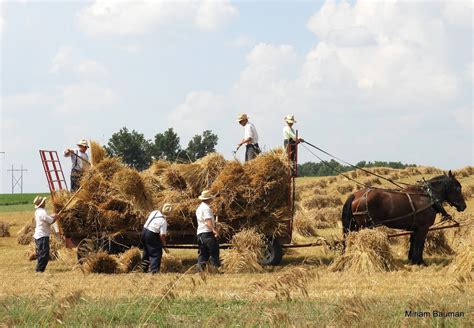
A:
x: 289, y: 137
x: 207, y: 232
x: 250, y: 138
x: 154, y: 237
x: 43, y: 224
x: 80, y: 161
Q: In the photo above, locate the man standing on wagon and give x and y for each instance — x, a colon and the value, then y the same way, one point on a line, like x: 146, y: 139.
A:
x: 80, y: 161
x: 207, y: 232
x: 250, y: 138
x: 43, y: 224
x: 289, y: 137
x: 154, y: 237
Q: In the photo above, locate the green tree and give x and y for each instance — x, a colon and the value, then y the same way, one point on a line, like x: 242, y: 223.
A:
x: 201, y: 145
x: 132, y: 147
x: 166, y: 146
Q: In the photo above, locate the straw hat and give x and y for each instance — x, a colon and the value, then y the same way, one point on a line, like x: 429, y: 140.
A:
x: 206, y: 194
x: 290, y: 119
x: 166, y: 209
x: 242, y: 117
x: 83, y: 142
x: 39, y: 201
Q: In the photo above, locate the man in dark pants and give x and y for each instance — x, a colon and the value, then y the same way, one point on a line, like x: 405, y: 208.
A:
x: 207, y: 233
x: 154, y: 237
x: 43, y: 224
x: 250, y: 139
x: 80, y: 161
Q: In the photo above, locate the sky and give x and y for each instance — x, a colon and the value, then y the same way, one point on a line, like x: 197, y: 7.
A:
x: 366, y: 80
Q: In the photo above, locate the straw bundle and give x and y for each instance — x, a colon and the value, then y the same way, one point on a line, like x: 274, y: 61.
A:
x: 170, y: 263
x: 4, y: 229
x: 131, y: 260
x: 97, y: 152
x: 25, y: 235
x: 304, y: 224
x: 463, y: 263
x: 367, y: 251
x: 100, y: 262
x: 246, y: 253
x: 322, y: 201
x: 115, y: 199
x: 437, y: 244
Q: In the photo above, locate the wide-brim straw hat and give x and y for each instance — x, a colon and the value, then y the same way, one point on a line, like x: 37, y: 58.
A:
x: 206, y: 194
x: 290, y: 119
x: 39, y: 201
x: 83, y: 142
x: 167, y: 209
x: 242, y: 117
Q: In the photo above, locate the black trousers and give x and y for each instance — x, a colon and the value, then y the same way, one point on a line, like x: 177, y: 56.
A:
x: 42, y: 253
x: 208, y: 249
x: 152, y: 249
x: 290, y: 147
x: 251, y: 151
x: 75, y: 179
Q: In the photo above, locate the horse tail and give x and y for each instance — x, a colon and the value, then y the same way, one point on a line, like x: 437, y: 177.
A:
x: 348, y: 222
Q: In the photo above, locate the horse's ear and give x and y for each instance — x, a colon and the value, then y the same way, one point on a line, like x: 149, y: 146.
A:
x: 450, y: 174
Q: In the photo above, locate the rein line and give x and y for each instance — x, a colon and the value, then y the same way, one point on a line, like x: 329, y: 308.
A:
x: 354, y: 166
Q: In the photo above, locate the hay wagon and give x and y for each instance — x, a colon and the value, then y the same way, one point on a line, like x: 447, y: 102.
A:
x: 102, y: 218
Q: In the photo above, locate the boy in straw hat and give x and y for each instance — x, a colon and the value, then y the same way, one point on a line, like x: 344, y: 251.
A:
x: 289, y: 137
x: 154, y: 237
x: 80, y: 160
x: 207, y: 233
x: 43, y: 224
x: 250, y: 138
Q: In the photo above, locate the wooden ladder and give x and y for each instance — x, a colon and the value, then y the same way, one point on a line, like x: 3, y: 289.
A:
x: 53, y: 170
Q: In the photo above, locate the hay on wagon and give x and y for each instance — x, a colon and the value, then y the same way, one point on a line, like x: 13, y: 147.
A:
x: 115, y: 198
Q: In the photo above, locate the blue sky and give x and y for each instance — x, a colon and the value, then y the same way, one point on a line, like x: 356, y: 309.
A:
x: 366, y: 80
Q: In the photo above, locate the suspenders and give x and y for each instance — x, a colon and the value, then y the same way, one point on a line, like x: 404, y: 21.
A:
x: 155, y: 216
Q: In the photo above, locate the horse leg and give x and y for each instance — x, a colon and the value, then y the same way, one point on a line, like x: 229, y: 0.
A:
x: 412, y: 244
x: 419, y: 245
x: 348, y: 222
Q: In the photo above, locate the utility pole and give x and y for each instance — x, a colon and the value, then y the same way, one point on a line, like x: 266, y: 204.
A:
x: 17, y: 181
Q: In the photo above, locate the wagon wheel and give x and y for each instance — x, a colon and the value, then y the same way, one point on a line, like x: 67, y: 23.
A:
x: 87, y: 246
x: 272, y: 252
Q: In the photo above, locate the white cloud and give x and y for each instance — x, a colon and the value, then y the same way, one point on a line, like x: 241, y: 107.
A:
x: 384, y: 72
x: 82, y: 100
x: 3, y: 22
x: 69, y: 60
x: 120, y: 18
x: 211, y: 14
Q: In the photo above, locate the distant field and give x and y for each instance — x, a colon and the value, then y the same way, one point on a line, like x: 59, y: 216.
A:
x: 18, y: 202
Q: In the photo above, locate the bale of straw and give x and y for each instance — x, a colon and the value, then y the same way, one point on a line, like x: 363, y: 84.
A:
x: 245, y: 254
x: 367, y: 251
x: 322, y: 201
x: 171, y: 263
x: 97, y: 152
x: 201, y: 174
x: 463, y: 263
x: 131, y: 260
x: 108, y: 167
x: 100, y: 262
x: 437, y: 244
x: 345, y: 188
x: 304, y: 224
x: 25, y: 235
x: 4, y: 229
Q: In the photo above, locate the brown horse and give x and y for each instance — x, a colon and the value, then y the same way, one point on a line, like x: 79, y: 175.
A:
x: 413, y: 208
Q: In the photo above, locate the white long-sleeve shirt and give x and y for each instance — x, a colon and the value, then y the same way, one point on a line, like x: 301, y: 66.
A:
x: 289, y: 133
x: 77, y: 163
x: 43, y: 224
x: 250, y: 132
x: 156, y: 223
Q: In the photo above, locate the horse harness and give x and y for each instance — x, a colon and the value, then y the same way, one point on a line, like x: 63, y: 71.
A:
x: 369, y: 221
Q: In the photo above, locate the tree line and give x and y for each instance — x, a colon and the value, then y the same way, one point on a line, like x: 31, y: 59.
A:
x: 311, y: 169
x: 138, y: 152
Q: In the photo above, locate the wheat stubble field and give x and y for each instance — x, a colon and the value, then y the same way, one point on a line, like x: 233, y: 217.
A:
x: 303, y: 291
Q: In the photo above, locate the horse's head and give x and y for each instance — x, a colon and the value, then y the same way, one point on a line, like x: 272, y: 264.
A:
x: 453, y: 192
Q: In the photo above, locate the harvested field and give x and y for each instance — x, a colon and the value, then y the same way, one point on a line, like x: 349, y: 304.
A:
x: 302, y: 291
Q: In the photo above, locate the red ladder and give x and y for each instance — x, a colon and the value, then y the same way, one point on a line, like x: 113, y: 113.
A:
x: 53, y: 170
